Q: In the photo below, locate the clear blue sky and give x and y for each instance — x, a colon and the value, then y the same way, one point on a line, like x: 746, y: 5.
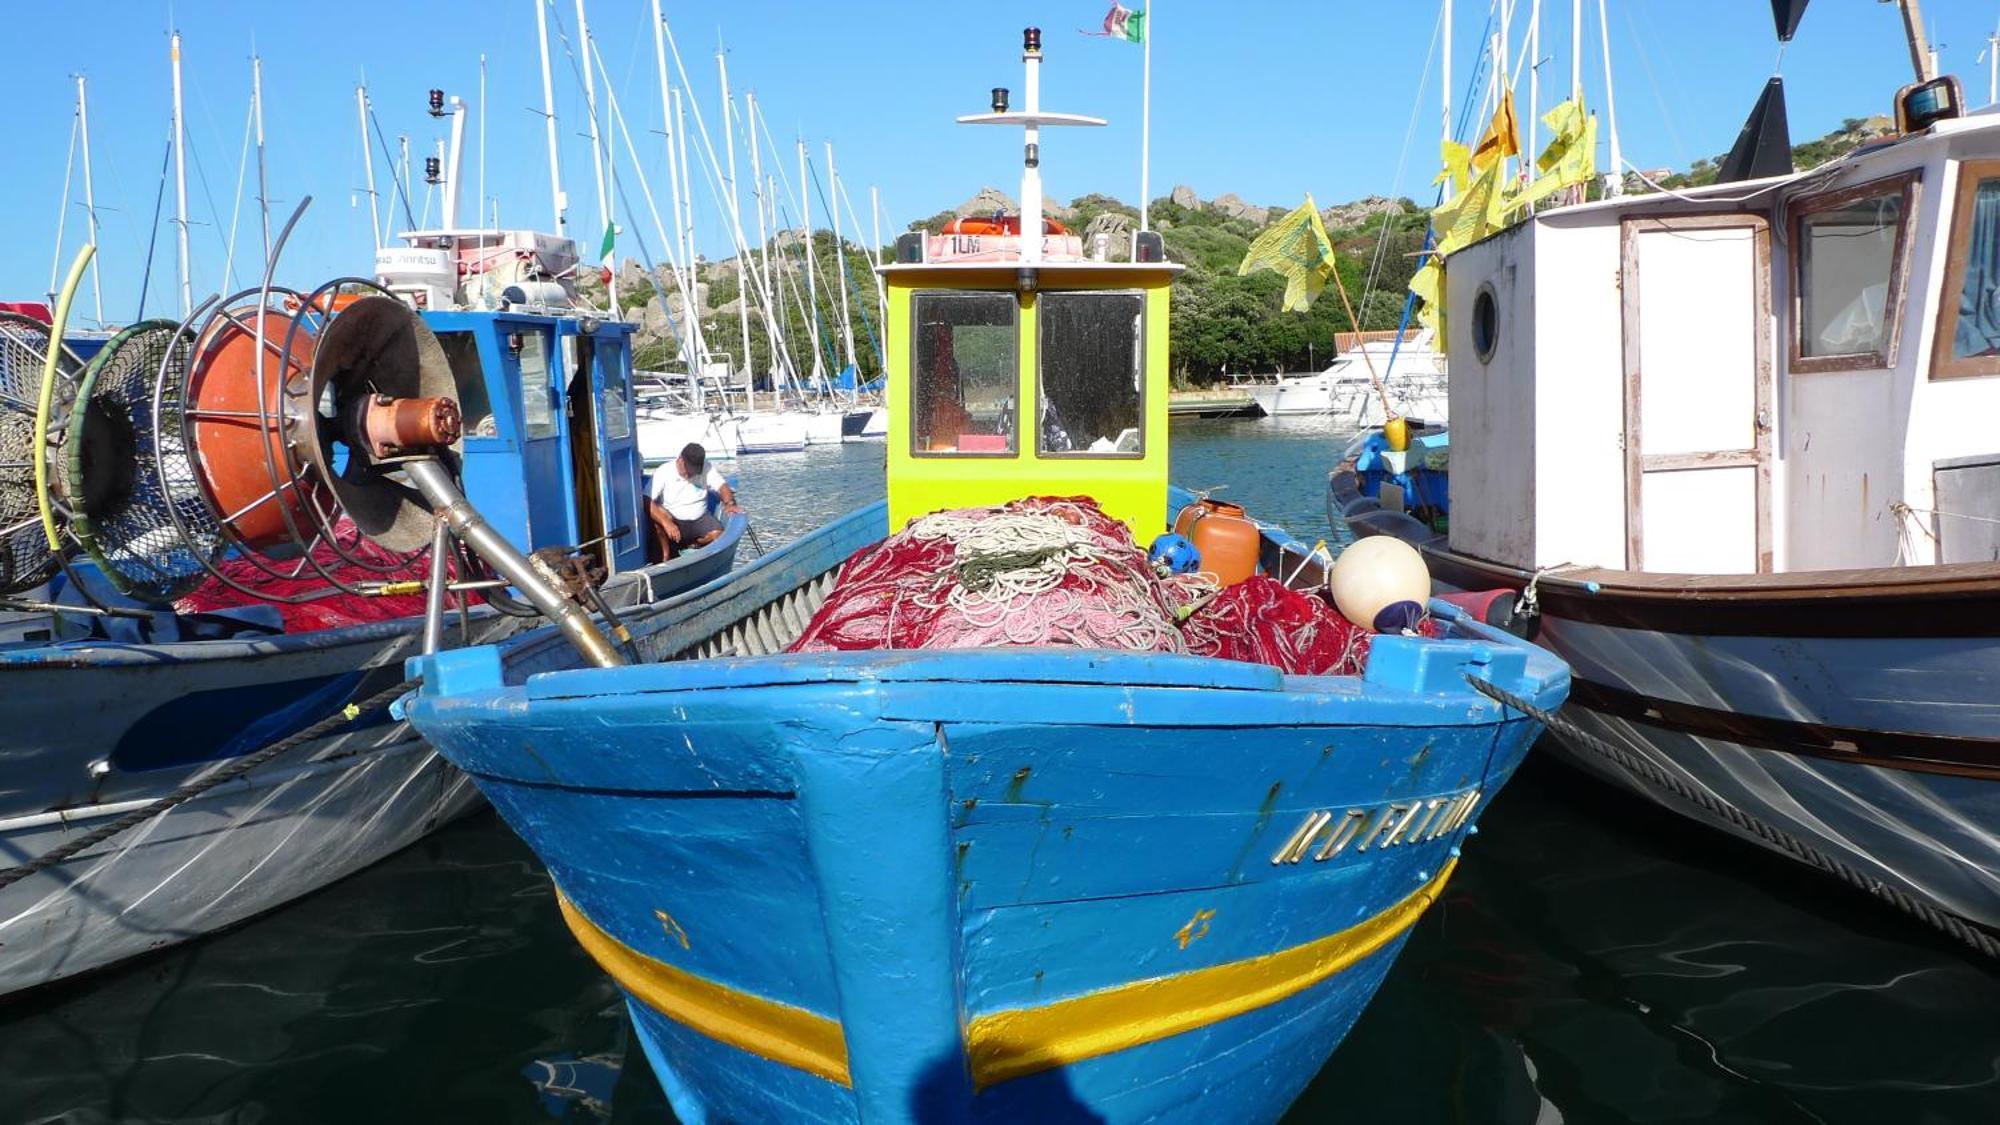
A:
x: 1266, y: 99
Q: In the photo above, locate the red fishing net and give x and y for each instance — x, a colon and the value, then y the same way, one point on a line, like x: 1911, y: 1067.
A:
x: 1058, y: 571
x: 331, y: 612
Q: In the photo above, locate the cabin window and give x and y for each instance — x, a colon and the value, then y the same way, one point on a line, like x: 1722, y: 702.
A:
x: 1849, y: 249
x: 1093, y: 374
x: 1968, y: 325
x: 538, y: 415
x: 461, y: 350
x: 966, y: 373
x: 611, y: 367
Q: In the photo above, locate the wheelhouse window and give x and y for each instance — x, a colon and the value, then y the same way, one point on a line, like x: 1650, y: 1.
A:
x: 538, y: 412
x: 1092, y: 374
x: 1968, y: 327
x: 966, y: 374
x: 1848, y: 248
x: 461, y: 350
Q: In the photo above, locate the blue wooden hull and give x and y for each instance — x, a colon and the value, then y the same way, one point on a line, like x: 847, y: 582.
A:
x: 985, y: 884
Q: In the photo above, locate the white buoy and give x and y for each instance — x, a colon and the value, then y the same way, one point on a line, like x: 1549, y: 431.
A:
x: 1381, y: 583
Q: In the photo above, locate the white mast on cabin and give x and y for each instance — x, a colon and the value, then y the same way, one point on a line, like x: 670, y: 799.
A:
x: 479, y: 206
x: 368, y: 166
x: 1614, y: 177
x: 89, y: 196
x: 1576, y: 48
x: 1031, y: 119
x: 454, y: 164
x: 403, y: 147
x: 181, y: 180
x: 811, y: 264
x: 1444, y: 88
x: 549, y: 118
x: 840, y: 258
x: 257, y: 115
x: 735, y: 201
x: 605, y: 219
x: 1145, y: 118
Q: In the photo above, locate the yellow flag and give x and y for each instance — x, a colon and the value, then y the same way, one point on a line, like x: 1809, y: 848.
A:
x: 1428, y: 285
x: 1502, y: 139
x: 1457, y: 160
x: 1298, y: 248
x: 1570, y: 158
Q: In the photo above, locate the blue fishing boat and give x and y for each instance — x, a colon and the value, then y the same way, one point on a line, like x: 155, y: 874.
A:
x: 180, y: 590
x: 847, y: 865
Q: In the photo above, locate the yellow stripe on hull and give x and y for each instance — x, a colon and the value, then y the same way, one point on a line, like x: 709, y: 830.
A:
x: 779, y: 1032
x: 1017, y: 1042
x: 1022, y: 1041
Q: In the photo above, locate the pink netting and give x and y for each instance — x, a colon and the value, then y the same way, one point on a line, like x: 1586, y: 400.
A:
x: 1058, y: 571
x: 331, y: 612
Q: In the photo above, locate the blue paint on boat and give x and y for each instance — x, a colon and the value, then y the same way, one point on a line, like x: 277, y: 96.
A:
x: 834, y: 886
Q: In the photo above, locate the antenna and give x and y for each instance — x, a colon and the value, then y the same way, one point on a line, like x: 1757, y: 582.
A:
x: 1032, y: 119
x: 89, y: 198
x: 368, y: 167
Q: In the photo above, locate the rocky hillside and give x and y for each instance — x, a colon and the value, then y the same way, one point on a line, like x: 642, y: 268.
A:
x: 1222, y: 323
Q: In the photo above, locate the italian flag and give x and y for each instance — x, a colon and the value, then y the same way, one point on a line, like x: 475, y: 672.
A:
x: 1124, y: 23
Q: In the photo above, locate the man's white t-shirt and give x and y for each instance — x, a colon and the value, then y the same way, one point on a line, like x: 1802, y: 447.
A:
x: 682, y: 498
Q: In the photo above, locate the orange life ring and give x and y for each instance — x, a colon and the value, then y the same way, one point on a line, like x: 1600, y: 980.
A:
x: 1004, y: 224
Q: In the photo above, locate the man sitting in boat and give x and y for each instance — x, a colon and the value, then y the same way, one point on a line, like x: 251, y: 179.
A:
x: 679, y: 505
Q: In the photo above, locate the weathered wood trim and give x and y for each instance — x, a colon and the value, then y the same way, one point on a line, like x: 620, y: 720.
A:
x: 1637, y: 461
x: 1943, y: 364
x: 1907, y: 184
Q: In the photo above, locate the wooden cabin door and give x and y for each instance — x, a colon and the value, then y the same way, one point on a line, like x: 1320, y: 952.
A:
x: 1697, y: 325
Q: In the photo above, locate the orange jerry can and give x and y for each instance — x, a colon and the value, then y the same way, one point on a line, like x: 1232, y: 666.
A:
x: 1227, y: 539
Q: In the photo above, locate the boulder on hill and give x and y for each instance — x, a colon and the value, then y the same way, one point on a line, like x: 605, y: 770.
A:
x: 990, y: 200
x: 1184, y: 196
x: 1360, y: 211
x: 1233, y: 206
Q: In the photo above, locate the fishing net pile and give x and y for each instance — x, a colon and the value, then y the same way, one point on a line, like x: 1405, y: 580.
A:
x: 1056, y: 571
x: 333, y: 611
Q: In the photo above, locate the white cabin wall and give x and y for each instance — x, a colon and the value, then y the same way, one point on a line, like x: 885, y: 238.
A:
x: 1841, y: 435
x: 1579, y: 396
x: 1493, y: 438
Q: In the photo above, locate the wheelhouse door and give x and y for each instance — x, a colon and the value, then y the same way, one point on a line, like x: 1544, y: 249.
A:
x: 542, y: 437
x: 1697, y: 316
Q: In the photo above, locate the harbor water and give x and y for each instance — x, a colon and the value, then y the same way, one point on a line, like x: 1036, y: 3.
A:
x: 1594, y: 959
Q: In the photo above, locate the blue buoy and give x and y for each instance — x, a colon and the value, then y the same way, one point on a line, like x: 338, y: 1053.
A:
x: 1174, y: 554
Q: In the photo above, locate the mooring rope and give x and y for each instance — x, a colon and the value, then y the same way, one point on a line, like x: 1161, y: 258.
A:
x: 204, y: 783
x: 1953, y: 925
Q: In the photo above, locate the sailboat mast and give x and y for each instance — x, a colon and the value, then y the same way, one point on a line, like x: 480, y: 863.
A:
x: 673, y: 165
x: 181, y: 181
x: 549, y: 118
x: 368, y: 166
x: 604, y: 217
x: 875, y: 217
x: 758, y: 197
x: 736, y: 215
x: 811, y: 262
x: 840, y: 257
x: 1576, y: 48
x: 89, y: 197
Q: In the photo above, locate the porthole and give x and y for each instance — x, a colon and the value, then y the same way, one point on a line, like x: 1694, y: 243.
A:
x: 1485, y: 324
